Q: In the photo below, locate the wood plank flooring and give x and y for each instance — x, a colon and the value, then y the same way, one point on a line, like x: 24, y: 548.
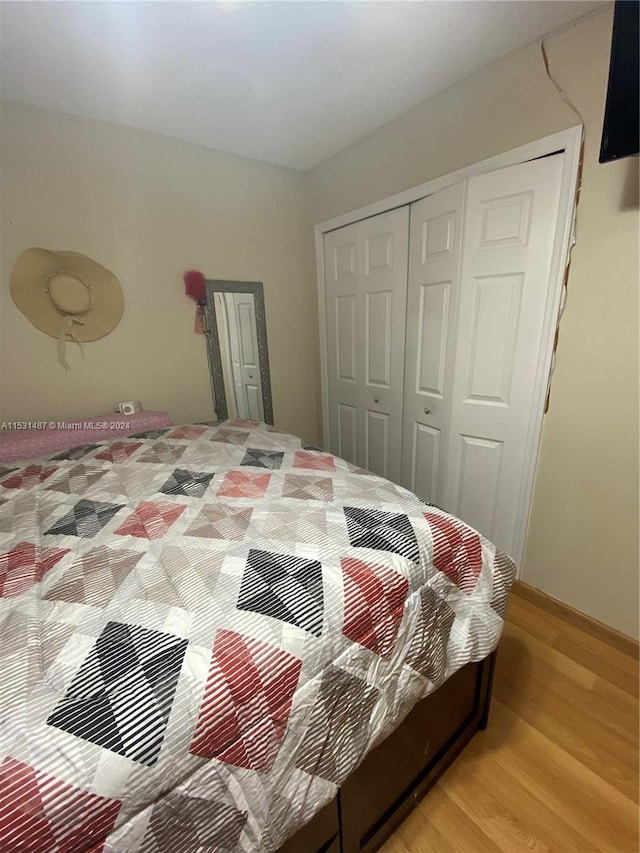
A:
x: 557, y: 768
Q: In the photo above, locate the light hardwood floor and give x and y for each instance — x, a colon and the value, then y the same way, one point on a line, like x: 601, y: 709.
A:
x: 557, y: 768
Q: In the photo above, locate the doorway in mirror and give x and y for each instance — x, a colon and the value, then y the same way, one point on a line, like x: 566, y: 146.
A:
x: 237, y: 350
x: 240, y: 361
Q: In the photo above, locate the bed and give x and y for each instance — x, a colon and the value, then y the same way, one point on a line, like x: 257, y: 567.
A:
x: 221, y: 638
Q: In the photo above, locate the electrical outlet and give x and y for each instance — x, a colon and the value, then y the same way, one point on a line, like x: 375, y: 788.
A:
x: 131, y: 407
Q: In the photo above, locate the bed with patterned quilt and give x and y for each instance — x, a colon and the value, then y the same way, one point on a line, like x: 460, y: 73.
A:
x: 204, y: 629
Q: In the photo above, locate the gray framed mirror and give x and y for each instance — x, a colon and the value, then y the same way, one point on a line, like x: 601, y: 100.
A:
x: 236, y: 330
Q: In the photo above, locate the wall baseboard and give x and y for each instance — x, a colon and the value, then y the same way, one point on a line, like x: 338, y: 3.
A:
x: 585, y: 623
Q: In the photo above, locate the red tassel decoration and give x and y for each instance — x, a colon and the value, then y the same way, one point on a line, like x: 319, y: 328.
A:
x: 194, y: 286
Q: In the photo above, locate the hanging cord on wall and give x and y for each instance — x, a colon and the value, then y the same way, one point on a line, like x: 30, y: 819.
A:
x: 559, y: 89
x: 565, y: 283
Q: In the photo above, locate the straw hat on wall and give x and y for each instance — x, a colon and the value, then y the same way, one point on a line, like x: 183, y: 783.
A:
x: 66, y: 295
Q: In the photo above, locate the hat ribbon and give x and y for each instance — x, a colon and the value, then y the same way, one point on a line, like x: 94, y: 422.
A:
x: 66, y: 329
x: 68, y: 320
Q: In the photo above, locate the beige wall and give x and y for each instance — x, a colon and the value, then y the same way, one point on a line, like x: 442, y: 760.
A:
x: 582, y: 545
x: 149, y: 208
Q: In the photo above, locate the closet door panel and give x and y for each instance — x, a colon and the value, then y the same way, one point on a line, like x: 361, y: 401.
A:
x: 342, y: 276
x: 434, y: 258
x: 425, y: 459
x: 377, y: 342
x: 346, y: 311
x: 347, y: 428
x: 495, y: 317
x: 433, y: 331
x: 510, y: 225
x: 366, y: 285
x: 377, y: 443
x: 384, y: 242
x: 478, y: 480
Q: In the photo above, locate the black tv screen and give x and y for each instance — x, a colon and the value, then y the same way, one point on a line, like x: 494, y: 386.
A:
x: 621, y: 119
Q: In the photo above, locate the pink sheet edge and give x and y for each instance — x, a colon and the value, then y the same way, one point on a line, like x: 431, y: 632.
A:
x: 17, y: 445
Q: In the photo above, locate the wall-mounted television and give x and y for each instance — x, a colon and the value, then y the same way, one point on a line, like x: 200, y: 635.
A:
x: 621, y: 119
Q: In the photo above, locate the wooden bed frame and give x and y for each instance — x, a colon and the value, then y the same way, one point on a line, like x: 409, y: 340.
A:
x: 395, y: 776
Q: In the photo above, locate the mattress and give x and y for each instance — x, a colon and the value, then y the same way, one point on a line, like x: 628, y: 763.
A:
x: 205, y: 629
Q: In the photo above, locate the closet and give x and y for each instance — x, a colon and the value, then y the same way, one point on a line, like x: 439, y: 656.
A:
x: 436, y: 316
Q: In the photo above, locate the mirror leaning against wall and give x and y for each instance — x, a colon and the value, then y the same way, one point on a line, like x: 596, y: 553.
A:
x: 237, y: 350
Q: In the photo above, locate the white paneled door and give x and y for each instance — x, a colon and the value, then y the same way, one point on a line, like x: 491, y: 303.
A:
x: 468, y: 288
x: 366, y: 288
x: 245, y: 359
x: 434, y: 266
x: 509, y: 231
x: 344, y: 356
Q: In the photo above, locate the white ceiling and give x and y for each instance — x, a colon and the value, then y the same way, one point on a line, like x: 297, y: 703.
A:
x: 290, y: 83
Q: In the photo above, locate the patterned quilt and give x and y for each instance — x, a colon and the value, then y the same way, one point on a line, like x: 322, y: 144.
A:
x: 203, y: 630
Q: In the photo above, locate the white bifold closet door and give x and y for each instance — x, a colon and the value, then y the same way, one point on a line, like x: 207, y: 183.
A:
x: 434, y: 272
x: 507, y: 251
x: 454, y: 421
x: 366, y: 290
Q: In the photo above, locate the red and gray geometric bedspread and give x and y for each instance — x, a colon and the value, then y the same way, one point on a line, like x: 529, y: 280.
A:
x: 203, y: 630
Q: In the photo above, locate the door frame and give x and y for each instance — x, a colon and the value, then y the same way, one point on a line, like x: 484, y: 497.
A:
x: 568, y: 142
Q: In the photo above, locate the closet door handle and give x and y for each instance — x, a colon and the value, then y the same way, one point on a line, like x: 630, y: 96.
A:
x: 376, y: 399
x: 427, y: 411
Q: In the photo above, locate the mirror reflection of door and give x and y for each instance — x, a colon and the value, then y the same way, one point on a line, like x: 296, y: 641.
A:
x: 237, y: 350
x: 239, y: 353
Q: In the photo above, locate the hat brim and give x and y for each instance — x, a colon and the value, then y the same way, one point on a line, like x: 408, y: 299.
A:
x: 28, y: 283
